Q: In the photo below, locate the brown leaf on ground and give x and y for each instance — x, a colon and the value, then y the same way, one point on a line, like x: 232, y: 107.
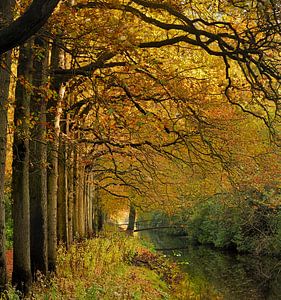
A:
x: 9, y: 258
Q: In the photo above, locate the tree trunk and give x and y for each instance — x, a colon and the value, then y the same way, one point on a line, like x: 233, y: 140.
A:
x: 20, y: 183
x: 81, y: 202
x: 6, y: 8
x: 70, y: 193
x: 99, y: 216
x: 85, y: 202
x: 4, y: 91
x: 38, y: 166
x: 132, y: 218
x: 53, y: 119
x: 90, y: 206
x: 62, y: 209
x: 75, y: 193
x: 35, y: 16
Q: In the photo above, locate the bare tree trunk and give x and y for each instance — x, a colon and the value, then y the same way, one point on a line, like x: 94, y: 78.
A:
x: 75, y: 193
x: 70, y: 193
x: 81, y: 202
x: 95, y: 210
x: 6, y: 8
x: 85, y: 200
x: 4, y: 91
x: 38, y: 166
x: 20, y: 183
x: 90, y: 206
x: 62, y: 209
x: 98, y: 212
x: 70, y: 205
x: 53, y: 119
x: 132, y: 218
x: 101, y: 218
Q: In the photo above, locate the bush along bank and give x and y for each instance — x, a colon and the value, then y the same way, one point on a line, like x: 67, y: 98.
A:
x: 111, y: 266
x: 246, y: 222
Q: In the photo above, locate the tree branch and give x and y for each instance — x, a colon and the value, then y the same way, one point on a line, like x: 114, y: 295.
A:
x: 35, y: 16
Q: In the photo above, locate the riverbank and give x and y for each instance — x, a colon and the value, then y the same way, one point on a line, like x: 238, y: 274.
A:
x: 216, y: 274
x: 112, y: 266
x: 233, y: 221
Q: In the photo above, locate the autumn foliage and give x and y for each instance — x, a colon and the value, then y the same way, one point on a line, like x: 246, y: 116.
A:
x: 150, y: 104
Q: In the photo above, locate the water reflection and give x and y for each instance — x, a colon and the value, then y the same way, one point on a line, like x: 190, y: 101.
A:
x: 227, y: 275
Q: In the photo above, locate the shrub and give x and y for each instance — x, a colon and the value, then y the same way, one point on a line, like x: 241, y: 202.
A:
x: 244, y: 221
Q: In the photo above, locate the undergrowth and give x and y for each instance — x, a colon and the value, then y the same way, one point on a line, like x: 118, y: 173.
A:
x: 113, y: 266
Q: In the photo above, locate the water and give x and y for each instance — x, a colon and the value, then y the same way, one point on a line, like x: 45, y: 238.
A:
x: 222, y: 275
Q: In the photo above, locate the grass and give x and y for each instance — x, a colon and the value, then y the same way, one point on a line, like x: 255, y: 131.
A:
x: 112, y: 266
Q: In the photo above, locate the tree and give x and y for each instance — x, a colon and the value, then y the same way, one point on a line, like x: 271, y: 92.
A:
x: 62, y: 202
x: 6, y: 8
x: 26, y: 25
x: 146, y: 92
x: 132, y: 218
x: 21, y: 277
x: 38, y: 159
x: 252, y: 44
x: 53, y: 118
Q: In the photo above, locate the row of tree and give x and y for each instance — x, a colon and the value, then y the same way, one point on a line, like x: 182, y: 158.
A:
x: 145, y: 103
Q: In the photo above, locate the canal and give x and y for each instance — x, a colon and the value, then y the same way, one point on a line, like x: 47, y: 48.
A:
x: 215, y: 274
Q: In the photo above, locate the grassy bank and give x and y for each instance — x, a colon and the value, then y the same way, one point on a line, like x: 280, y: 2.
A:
x: 112, y: 266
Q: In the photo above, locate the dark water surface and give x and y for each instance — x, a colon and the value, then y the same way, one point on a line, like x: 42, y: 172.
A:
x: 222, y: 275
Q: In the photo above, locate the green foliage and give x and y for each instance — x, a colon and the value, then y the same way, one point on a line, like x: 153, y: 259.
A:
x: 160, y: 219
x: 10, y: 294
x: 244, y: 221
x: 9, y: 221
x: 251, y: 227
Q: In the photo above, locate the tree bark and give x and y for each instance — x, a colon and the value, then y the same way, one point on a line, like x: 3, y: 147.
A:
x: 81, y: 202
x: 85, y: 202
x: 75, y: 193
x: 132, y: 218
x: 4, y: 91
x: 62, y: 208
x: 28, y: 24
x: 70, y: 194
x: 53, y: 120
x: 6, y: 8
x: 90, y: 206
x: 38, y: 164
x: 101, y: 219
x: 98, y: 220
x: 70, y: 183
x: 20, y: 183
